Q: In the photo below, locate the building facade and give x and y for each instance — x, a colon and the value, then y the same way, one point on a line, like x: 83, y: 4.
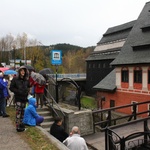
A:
x: 131, y: 76
x: 107, y: 49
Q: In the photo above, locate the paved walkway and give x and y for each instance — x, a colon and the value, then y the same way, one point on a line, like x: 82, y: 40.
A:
x: 97, y: 140
x: 9, y: 138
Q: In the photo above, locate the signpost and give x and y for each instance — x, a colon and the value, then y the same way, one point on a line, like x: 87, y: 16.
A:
x: 56, y: 59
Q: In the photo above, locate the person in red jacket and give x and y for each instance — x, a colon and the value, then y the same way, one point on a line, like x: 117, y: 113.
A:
x: 39, y: 93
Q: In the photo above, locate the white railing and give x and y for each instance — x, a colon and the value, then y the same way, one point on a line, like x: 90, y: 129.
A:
x: 74, y: 76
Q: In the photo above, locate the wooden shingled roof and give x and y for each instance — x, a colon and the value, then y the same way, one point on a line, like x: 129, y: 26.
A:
x: 112, y: 35
x: 117, y: 32
x: 108, y: 83
x: 136, y: 49
x: 107, y: 54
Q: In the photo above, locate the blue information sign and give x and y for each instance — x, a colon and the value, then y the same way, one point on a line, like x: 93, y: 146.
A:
x: 56, y: 56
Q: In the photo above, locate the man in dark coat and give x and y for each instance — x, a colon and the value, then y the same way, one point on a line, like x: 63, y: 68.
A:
x: 20, y: 86
x: 57, y: 130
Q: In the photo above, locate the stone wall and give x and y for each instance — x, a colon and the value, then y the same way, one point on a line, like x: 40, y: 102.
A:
x: 81, y: 118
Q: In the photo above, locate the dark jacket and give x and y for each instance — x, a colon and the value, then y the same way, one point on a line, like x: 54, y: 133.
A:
x: 58, y: 132
x: 20, y: 86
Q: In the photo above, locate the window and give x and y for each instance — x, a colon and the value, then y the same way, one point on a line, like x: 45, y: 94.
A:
x: 125, y: 76
x: 93, y: 65
x: 137, y: 76
x: 110, y: 66
x: 104, y: 65
x: 89, y: 65
x: 112, y: 103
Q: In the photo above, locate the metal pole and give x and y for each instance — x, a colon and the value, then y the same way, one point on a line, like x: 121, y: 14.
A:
x: 56, y: 84
x: 145, y: 135
x: 101, y: 109
x: 79, y: 93
x: 25, y: 62
x: 14, y: 60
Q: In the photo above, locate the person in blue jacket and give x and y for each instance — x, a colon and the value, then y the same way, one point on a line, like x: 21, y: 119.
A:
x: 4, y: 94
x: 31, y: 117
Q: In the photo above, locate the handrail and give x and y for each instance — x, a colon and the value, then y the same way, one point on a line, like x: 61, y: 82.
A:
x: 109, y: 119
x: 69, y: 80
x: 128, y: 123
x: 74, y: 75
x: 52, y: 108
x: 108, y: 134
x: 119, y: 107
x: 110, y: 142
x: 53, y: 100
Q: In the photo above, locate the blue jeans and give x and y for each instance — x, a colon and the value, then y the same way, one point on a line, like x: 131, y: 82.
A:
x: 3, y: 106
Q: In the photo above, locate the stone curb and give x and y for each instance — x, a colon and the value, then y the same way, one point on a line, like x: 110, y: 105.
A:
x: 54, y: 141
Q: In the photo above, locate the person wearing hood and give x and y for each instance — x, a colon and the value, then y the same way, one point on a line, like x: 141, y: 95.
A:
x: 20, y: 86
x: 4, y: 94
x: 31, y: 117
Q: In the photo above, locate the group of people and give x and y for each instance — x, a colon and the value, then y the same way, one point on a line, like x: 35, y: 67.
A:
x: 27, y: 115
x: 73, y: 140
x: 20, y: 85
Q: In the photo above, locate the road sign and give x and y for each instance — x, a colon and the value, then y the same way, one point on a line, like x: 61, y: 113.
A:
x: 56, y: 57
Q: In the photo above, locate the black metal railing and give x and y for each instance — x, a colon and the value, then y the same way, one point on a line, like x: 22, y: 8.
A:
x: 113, y: 141
x: 50, y: 103
x: 133, y: 141
x: 110, y: 120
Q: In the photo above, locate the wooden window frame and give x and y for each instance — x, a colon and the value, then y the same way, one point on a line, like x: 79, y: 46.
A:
x: 137, y: 76
x: 125, y: 76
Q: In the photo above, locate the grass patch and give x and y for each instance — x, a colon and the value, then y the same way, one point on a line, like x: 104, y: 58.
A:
x: 88, y: 102
x: 33, y: 136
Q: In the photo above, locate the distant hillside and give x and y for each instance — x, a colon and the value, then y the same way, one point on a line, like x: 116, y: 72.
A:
x: 64, y: 46
x: 73, y: 57
x: 68, y: 47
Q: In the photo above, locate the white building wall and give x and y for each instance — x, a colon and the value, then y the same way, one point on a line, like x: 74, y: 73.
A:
x: 106, y: 46
x: 118, y: 77
x: 144, y: 78
x: 131, y: 78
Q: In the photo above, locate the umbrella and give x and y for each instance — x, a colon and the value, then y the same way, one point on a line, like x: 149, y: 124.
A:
x: 3, y: 69
x: 46, y: 71
x: 8, y: 72
x: 30, y: 68
x: 38, y: 78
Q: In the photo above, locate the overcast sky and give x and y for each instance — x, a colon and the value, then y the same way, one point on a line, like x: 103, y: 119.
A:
x: 77, y: 22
